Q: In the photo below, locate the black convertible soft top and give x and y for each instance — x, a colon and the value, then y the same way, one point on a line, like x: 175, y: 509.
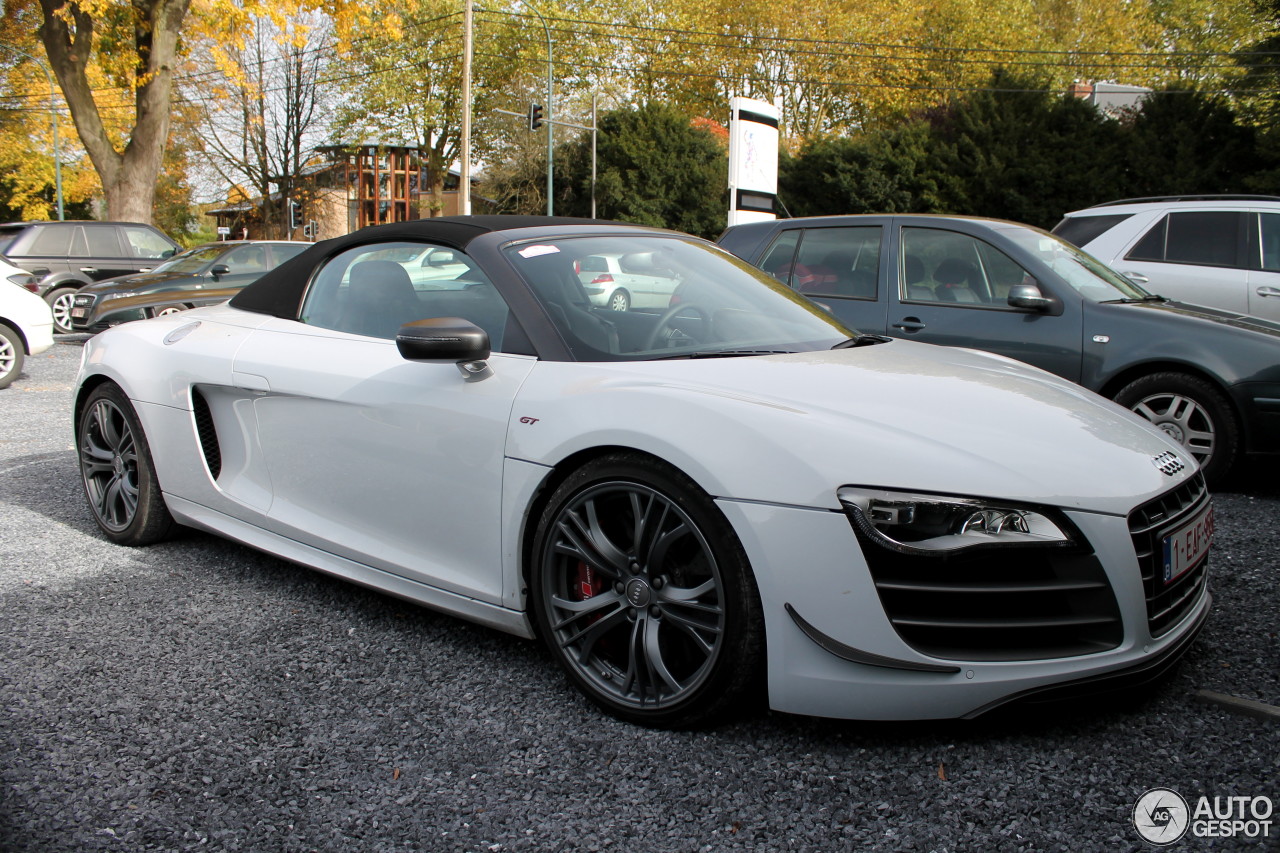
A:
x: 280, y: 291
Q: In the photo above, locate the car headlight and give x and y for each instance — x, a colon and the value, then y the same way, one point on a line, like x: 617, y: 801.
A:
x: 939, y: 525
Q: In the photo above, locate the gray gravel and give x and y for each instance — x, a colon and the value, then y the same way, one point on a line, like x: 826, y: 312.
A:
x: 200, y: 696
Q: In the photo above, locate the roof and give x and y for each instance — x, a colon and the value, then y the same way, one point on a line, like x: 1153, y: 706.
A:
x: 279, y: 291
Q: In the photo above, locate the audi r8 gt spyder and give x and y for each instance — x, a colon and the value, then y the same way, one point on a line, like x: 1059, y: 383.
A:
x: 687, y: 504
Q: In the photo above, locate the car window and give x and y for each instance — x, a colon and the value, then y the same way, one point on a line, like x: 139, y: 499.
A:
x: 363, y: 292
x: 1207, y: 237
x: 1267, y: 256
x: 838, y: 262
x: 780, y: 258
x: 96, y: 241
x: 192, y: 260
x: 245, y: 260
x: 1087, y: 275
x: 593, y: 263
x: 946, y: 266
x: 55, y: 241
x: 281, y: 252
x: 145, y: 243
x: 1080, y: 230
x: 720, y: 304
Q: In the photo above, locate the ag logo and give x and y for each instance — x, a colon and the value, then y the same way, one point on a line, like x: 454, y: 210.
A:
x: 1161, y: 816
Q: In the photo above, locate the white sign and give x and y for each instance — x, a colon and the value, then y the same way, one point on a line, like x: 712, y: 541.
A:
x: 753, y: 160
x: 223, y: 230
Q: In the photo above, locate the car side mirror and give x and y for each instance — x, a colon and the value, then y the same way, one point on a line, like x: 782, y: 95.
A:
x: 1029, y: 297
x: 446, y: 339
x: 219, y: 270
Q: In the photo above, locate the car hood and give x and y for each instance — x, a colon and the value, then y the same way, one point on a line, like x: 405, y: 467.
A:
x: 137, y: 281
x: 1203, y: 314
x: 901, y: 415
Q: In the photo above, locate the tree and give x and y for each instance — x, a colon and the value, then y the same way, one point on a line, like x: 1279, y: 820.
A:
x: 654, y: 168
x: 1182, y: 142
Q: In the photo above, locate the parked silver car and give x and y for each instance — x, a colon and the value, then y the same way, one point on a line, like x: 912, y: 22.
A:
x: 1221, y: 251
x: 627, y: 280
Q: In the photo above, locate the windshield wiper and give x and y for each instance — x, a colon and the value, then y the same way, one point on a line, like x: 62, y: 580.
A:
x: 724, y: 353
x: 1130, y: 300
x: 862, y: 341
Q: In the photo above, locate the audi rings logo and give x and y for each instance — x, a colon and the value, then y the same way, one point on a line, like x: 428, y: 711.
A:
x: 1161, y: 816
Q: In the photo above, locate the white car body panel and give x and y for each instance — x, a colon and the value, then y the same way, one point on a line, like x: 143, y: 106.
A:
x: 27, y: 312
x: 387, y: 466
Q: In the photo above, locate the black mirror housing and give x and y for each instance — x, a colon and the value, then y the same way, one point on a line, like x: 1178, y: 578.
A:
x: 1029, y: 297
x: 443, y: 339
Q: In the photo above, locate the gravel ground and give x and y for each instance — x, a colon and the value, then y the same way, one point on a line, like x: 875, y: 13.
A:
x: 200, y: 696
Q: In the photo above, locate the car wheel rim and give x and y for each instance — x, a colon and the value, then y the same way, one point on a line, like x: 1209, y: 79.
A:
x: 8, y: 356
x: 62, y: 311
x: 165, y: 312
x: 619, y: 302
x: 109, y: 463
x: 634, y: 595
x: 1183, y: 419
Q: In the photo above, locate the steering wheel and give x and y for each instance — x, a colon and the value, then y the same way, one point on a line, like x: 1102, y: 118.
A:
x: 664, y: 321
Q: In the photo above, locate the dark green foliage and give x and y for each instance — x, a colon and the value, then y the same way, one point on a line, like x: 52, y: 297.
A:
x: 1018, y: 152
x: 653, y: 168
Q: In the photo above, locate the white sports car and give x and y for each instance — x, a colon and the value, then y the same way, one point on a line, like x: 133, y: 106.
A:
x: 685, y: 504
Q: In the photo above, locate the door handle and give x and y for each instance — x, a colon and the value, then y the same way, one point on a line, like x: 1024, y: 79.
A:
x: 89, y: 270
x: 1136, y: 276
x: 909, y: 324
x: 1267, y: 291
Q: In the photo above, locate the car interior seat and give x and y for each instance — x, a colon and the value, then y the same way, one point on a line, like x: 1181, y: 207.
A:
x: 913, y: 271
x: 560, y: 291
x: 953, y: 277
x: 380, y: 300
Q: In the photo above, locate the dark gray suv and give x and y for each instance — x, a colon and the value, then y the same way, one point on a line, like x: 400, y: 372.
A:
x: 65, y: 256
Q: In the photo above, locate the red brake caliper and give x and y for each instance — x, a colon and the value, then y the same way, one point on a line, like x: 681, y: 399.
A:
x: 588, y: 585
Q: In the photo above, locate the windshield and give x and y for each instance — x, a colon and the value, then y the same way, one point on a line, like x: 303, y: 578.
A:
x: 1090, y: 277
x: 192, y: 260
x: 666, y: 297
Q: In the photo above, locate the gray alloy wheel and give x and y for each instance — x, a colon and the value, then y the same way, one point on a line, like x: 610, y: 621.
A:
x: 61, y: 303
x: 620, y: 300
x: 11, y: 356
x: 1191, y: 412
x: 170, y: 309
x: 643, y: 593
x: 117, y: 472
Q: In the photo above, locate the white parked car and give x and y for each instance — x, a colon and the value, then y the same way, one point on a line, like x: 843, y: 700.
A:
x: 688, y: 507
x: 1221, y: 251
x: 625, y: 281
x: 26, y: 322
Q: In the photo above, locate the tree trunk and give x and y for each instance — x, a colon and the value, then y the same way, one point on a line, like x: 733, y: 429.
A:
x: 128, y: 177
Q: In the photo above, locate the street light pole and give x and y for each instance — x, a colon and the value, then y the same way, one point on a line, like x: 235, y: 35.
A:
x: 464, y: 177
x: 53, y: 108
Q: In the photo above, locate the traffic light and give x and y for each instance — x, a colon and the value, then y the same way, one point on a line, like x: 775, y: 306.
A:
x: 295, y: 215
x: 535, y: 116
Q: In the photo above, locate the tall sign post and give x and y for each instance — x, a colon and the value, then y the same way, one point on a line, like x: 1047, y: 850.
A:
x: 753, y: 160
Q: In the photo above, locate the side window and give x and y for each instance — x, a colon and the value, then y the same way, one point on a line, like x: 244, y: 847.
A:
x: 54, y: 241
x: 945, y: 266
x: 245, y: 260
x: 145, y: 243
x: 364, y: 292
x: 779, y: 259
x: 1268, y: 255
x: 1207, y: 237
x: 838, y: 262
x: 101, y: 241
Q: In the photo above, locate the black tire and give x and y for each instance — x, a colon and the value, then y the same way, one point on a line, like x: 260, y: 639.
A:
x: 12, y: 354
x: 117, y: 472
x: 1193, y: 412
x: 60, y: 301
x: 620, y: 300
x: 674, y: 636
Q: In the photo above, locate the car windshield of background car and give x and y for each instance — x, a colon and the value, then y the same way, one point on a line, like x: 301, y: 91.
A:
x: 1090, y: 277
x: 718, y: 303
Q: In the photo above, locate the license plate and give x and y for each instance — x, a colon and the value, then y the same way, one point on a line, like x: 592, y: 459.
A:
x: 77, y: 312
x: 1185, y: 547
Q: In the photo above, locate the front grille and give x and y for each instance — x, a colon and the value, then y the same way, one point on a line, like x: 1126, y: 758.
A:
x: 206, y: 432
x: 1005, y: 603
x: 1148, y: 525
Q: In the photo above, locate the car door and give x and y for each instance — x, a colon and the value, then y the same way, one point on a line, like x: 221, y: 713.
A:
x: 1193, y: 256
x: 1264, y: 275
x: 951, y: 287
x: 391, y: 463
x: 96, y: 251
